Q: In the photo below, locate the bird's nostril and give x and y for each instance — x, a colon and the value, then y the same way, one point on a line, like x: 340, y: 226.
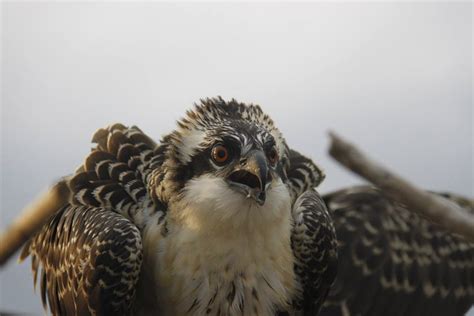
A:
x: 246, y: 178
x: 243, y: 161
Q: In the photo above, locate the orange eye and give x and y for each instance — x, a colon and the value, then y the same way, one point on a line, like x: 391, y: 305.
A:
x: 272, y: 156
x: 220, y: 154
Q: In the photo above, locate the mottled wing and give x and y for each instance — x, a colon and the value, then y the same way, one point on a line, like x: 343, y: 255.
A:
x: 314, y: 245
x: 116, y: 174
x: 88, y: 260
x: 89, y: 254
x: 313, y: 238
x: 392, y: 262
x: 303, y: 174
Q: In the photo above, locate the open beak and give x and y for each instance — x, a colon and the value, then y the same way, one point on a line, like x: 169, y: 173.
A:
x: 251, y: 176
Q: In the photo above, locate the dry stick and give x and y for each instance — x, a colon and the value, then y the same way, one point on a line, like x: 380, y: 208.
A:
x: 31, y: 220
x: 437, y: 209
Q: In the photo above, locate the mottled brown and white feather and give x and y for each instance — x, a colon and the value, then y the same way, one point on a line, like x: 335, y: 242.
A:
x: 88, y: 260
x: 393, y: 262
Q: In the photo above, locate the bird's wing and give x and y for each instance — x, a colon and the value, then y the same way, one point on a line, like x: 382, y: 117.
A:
x: 314, y: 245
x: 313, y: 238
x: 303, y: 174
x: 88, y: 260
x: 392, y: 262
x: 118, y: 172
x: 88, y: 255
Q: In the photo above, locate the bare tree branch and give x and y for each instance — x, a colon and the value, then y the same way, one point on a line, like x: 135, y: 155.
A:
x: 32, y: 219
x: 437, y: 209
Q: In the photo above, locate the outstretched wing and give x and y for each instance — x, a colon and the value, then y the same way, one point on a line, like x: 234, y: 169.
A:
x: 88, y: 256
x: 392, y: 262
x: 313, y: 238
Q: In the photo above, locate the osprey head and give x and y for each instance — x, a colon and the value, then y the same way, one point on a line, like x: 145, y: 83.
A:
x: 228, y: 157
x: 243, y: 155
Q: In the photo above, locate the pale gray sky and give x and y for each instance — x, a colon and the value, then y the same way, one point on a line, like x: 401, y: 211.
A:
x: 395, y: 78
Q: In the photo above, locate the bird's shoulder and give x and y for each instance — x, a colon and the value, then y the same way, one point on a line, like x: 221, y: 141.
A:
x: 121, y: 172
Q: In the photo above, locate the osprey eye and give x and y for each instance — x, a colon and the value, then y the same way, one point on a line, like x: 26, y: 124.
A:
x: 272, y: 156
x: 220, y: 154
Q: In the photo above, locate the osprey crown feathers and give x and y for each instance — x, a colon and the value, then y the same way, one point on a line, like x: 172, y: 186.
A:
x: 220, y: 217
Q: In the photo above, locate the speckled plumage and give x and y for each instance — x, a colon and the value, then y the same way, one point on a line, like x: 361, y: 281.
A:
x: 168, y: 211
x: 151, y: 229
x: 88, y: 261
x: 393, y: 262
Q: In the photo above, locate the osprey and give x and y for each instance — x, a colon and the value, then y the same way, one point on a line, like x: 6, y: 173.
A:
x: 222, y: 218
x: 219, y: 218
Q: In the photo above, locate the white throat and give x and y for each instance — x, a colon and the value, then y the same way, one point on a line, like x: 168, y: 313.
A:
x: 225, y: 253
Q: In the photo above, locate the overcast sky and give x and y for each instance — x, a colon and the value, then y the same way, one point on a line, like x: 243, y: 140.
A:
x: 394, y: 78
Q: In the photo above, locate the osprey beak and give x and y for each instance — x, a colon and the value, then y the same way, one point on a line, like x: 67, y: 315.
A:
x: 251, y: 175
